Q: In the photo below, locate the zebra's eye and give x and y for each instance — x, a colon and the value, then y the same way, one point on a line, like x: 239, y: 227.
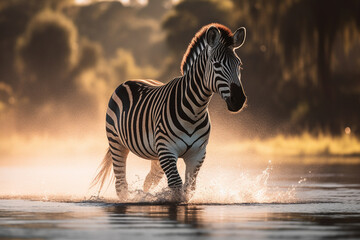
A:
x: 217, y: 65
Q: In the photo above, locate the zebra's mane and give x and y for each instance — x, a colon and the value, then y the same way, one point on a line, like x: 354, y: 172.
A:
x: 197, y: 44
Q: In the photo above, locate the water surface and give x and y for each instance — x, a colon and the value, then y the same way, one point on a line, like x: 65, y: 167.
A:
x: 325, y: 206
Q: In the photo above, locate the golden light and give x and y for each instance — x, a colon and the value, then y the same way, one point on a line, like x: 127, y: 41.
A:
x: 82, y: 2
x: 347, y: 130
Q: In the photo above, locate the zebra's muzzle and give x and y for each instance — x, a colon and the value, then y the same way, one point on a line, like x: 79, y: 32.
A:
x: 237, y: 98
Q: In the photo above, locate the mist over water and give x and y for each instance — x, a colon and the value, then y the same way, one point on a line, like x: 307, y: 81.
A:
x: 61, y: 169
x: 222, y: 185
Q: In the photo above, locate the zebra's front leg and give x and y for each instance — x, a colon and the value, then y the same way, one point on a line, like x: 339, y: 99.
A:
x: 119, y: 154
x: 168, y: 165
x: 193, y: 165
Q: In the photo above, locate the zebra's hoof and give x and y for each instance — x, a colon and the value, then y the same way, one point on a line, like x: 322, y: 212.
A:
x: 122, y: 194
x: 178, y: 194
x: 188, y: 194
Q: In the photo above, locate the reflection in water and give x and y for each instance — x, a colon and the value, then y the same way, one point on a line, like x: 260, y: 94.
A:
x: 180, y: 214
x: 34, y: 219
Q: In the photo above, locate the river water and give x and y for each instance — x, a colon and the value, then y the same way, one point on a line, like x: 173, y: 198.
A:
x: 291, y: 202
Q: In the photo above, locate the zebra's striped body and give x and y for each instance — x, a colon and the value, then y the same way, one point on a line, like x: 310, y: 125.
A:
x: 153, y: 113
x: 164, y: 122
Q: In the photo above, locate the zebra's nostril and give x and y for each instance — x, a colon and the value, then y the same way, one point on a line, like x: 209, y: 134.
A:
x: 237, y: 98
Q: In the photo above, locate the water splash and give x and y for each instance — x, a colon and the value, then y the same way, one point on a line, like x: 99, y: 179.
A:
x: 215, y: 185
x: 244, y: 188
x: 223, y: 188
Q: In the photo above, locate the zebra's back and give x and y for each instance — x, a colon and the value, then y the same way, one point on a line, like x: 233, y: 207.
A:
x: 129, y: 116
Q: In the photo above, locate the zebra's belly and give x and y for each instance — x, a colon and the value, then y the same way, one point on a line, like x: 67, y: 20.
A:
x: 142, y: 144
x: 136, y: 133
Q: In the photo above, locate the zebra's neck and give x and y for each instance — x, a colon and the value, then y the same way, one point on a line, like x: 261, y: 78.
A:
x: 197, y: 95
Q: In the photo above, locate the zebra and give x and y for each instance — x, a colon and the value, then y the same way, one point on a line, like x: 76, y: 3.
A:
x: 164, y: 122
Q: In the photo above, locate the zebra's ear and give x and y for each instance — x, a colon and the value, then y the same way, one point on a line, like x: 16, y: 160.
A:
x: 239, y: 37
x: 212, y: 36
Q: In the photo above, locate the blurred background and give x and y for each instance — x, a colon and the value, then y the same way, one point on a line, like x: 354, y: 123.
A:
x: 60, y: 60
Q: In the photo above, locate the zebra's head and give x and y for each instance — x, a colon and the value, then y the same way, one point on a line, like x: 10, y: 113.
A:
x: 223, y: 66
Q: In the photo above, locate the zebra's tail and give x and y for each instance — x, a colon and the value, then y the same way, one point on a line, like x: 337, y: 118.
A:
x: 104, y: 172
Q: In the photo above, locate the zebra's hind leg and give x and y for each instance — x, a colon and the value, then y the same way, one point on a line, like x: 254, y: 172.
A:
x: 154, y: 176
x: 119, y: 154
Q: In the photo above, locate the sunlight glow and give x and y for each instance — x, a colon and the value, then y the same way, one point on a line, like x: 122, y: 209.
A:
x: 50, y: 167
x: 125, y: 2
x: 82, y: 2
x: 72, y: 184
x: 347, y: 130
